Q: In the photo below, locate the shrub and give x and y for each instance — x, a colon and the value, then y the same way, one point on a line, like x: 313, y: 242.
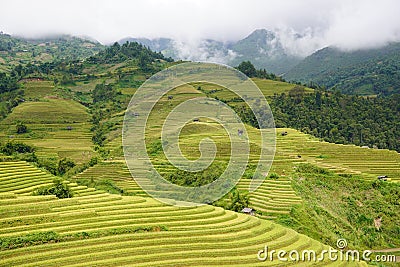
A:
x: 21, y: 128
x: 273, y: 175
x: 64, y: 165
x: 59, y: 189
x: 11, y: 148
x: 48, y: 164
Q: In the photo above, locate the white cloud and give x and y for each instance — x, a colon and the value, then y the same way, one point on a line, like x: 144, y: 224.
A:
x: 344, y: 23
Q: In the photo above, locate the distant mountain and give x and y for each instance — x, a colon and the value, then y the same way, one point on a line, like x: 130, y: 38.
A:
x: 262, y: 47
x: 365, y: 72
x: 18, y: 50
x: 199, y: 50
x: 265, y: 50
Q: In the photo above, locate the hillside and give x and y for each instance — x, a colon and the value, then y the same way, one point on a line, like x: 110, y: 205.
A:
x: 362, y: 72
x: 16, y: 50
x: 96, y: 228
x: 315, y: 193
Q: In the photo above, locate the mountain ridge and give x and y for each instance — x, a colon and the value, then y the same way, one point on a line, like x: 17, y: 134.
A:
x: 363, y: 71
x: 262, y: 47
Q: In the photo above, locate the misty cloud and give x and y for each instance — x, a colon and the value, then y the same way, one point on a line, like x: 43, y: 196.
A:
x: 302, y: 26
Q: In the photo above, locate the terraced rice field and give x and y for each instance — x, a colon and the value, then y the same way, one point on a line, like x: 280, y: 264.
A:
x: 37, y: 89
x: 19, y: 177
x: 99, y: 228
x: 269, y: 87
x: 56, y: 127
x: 115, y: 171
x: 196, y: 236
x: 272, y: 198
x: 369, y: 163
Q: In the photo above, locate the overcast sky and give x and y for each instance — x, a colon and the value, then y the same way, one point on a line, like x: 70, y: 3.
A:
x: 344, y: 23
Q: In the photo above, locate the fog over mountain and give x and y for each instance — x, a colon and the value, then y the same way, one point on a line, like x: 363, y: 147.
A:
x: 346, y: 24
x: 219, y: 31
x: 264, y: 48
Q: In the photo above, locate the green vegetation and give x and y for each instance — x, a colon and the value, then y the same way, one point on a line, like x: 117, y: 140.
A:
x: 16, y: 51
x: 102, y: 229
x: 40, y: 238
x: 336, y: 205
x: 101, y: 184
x: 10, y: 148
x: 65, y: 165
x: 10, y: 96
x: 73, y: 112
x: 362, y: 72
x: 235, y: 200
x: 343, y: 119
x: 21, y: 128
x: 59, y: 189
x: 248, y: 68
x: 7, y: 83
x: 128, y: 51
x: 194, y: 179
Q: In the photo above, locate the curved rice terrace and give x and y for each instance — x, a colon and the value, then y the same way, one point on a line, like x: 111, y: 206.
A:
x: 98, y: 228
x: 57, y: 127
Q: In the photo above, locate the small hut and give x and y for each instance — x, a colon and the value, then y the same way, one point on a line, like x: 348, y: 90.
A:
x: 248, y: 211
x: 382, y: 177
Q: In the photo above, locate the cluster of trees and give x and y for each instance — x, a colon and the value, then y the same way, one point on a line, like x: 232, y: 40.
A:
x: 333, y: 117
x: 8, y: 83
x: 107, y: 99
x: 248, y: 68
x: 22, y: 151
x: 338, y: 118
x: 185, y: 178
x: 235, y: 200
x: 6, y: 42
x: 367, y: 78
x: 11, y: 148
x: 58, y: 188
x: 130, y: 50
x: 9, y: 100
x: 10, y: 94
x: 366, y: 71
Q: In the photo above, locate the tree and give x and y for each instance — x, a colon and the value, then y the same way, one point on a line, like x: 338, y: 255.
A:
x: 238, y: 200
x: 104, y: 92
x: 16, y: 147
x: 59, y: 189
x: 247, y: 68
x: 64, y: 165
x: 21, y: 128
x: 144, y: 61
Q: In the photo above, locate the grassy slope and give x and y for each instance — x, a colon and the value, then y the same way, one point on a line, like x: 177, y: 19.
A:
x: 273, y: 193
x: 99, y: 230
x: 47, y: 118
x: 44, y: 50
x: 276, y: 199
